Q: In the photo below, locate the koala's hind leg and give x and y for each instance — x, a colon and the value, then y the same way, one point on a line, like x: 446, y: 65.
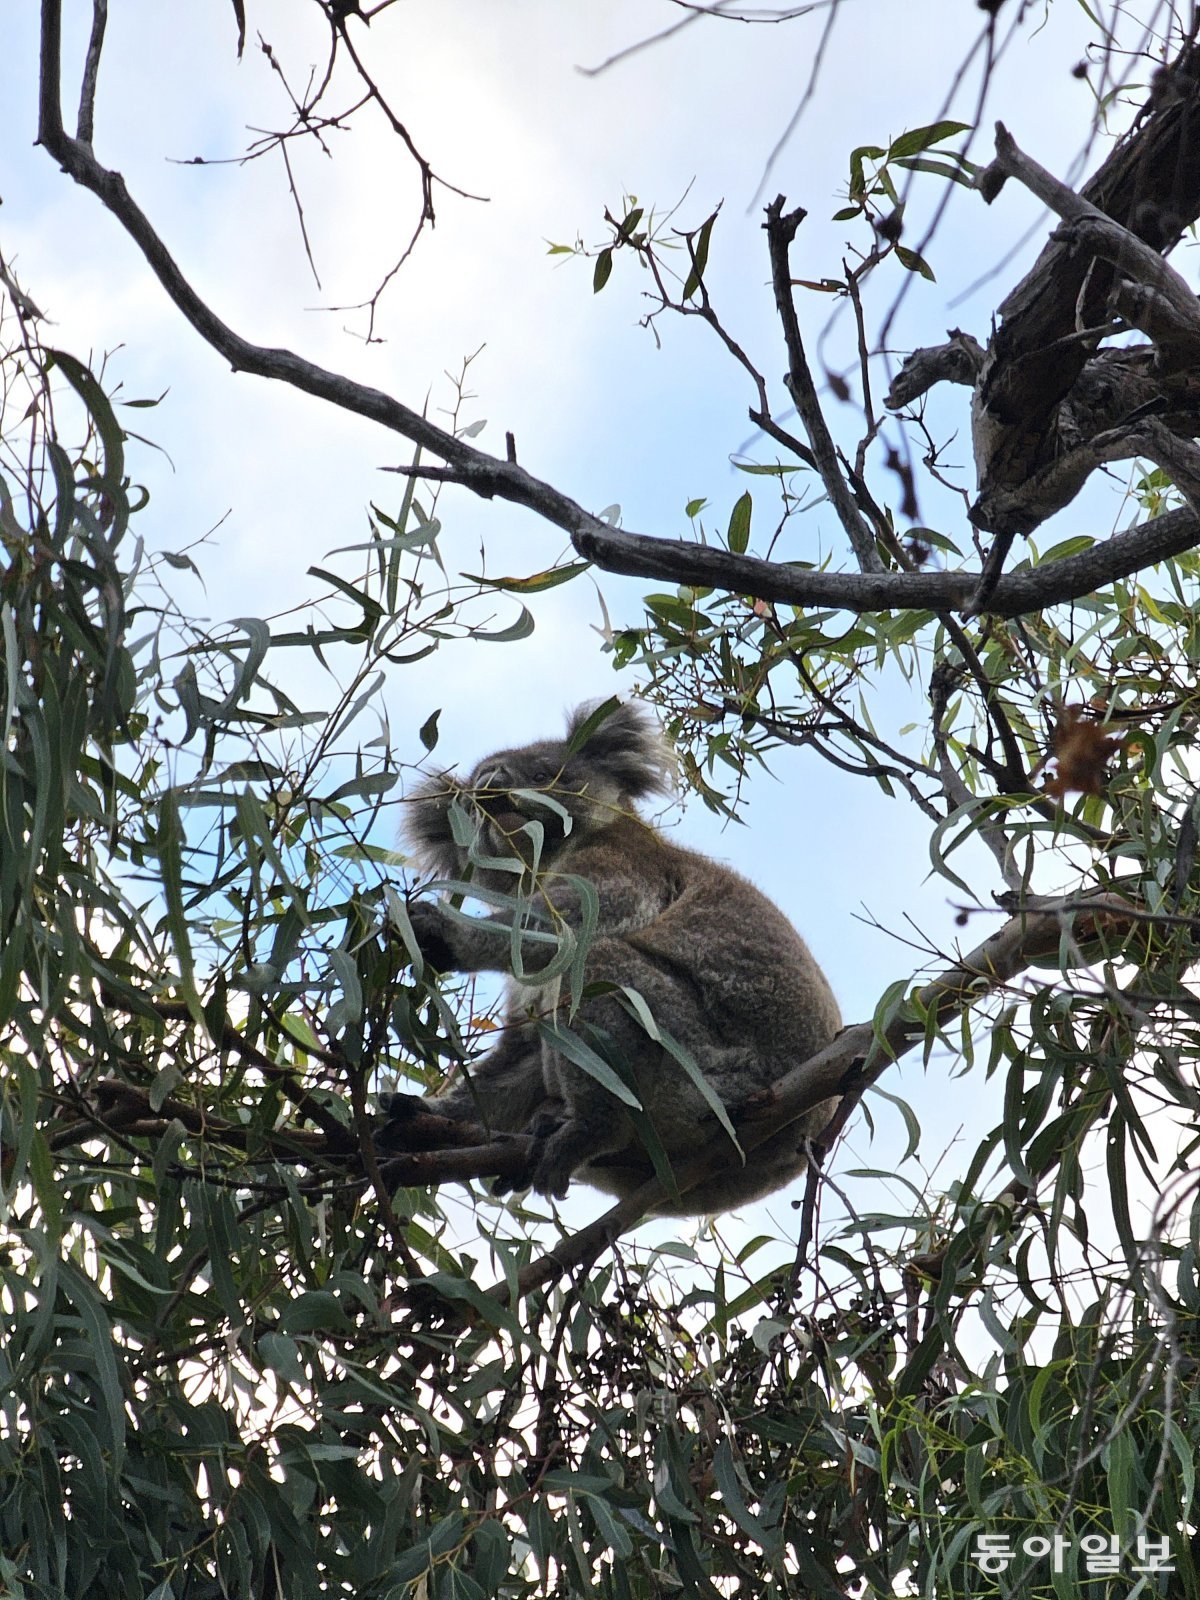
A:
x: 505, y: 1091
x: 597, y: 1136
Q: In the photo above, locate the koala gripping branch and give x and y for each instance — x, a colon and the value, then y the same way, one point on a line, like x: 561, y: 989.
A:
x: 863, y: 1053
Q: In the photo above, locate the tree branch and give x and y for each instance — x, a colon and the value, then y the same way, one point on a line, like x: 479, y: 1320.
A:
x: 956, y: 361
x: 337, y: 1135
x: 781, y: 230
x: 616, y: 550
x: 85, y: 122
x: 641, y: 555
x: 1089, y: 228
x: 852, y: 1062
x: 644, y: 555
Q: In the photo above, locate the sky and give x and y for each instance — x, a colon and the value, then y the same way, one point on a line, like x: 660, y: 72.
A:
x: 495, y: 97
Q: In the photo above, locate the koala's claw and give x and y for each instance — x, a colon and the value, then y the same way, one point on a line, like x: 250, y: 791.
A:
x: 513, y: 1182
x: 547, y: 1122
x: 551, y: 1181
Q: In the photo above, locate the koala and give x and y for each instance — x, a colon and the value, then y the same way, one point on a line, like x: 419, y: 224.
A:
x: 719, y: 967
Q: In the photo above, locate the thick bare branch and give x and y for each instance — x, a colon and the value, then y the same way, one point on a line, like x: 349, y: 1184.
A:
x: 1089, y: 229
x: 956, y: 361
x: 642, y: 555
x: 1008, y: 511
x: 616, y: 550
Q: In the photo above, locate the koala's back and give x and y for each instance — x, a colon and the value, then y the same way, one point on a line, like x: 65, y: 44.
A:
x: 746, y: 968
x: 724, y: 971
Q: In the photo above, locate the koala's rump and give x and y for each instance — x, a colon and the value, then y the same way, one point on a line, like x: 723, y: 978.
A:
x: 772, y: 1164
x: 725, y: 972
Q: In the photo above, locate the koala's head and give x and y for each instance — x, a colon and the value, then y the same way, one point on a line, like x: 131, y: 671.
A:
x: 591, y: 777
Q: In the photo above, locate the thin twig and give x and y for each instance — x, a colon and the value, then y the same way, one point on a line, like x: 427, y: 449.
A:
x: 781, y: 230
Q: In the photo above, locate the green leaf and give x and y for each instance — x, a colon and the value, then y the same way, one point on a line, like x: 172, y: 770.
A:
x: 959, y: 171
x: 770, y: 469
x: 908, y: 144
x: 372, y: 610
x: 914, y: 262
x: 100, y: 410
x: 734, y: 1500
x: 864, y: 152
x: 102, y: 1355
x: 635, y: 1004
x: 581, y: 1055
x: 540, y: 581
x: 170, y: 857
x: 1073, y: 546
x: 283, y: 1356
x: 699, y: 250
x: 738, y: 535
x: 428, y: 731
x: 610, y: 1530
x: 520, y: 629
x: 594, y: 720
x: 629, y: 223
x: 602, y: 270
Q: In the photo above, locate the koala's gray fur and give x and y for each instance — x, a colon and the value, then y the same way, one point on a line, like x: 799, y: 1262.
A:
x: 720, y: 967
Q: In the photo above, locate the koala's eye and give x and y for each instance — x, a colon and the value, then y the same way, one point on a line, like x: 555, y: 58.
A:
x: 541, y: 774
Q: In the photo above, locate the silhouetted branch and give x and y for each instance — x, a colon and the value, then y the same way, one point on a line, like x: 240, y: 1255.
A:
x: 781, y: 230
x: 616, y: 550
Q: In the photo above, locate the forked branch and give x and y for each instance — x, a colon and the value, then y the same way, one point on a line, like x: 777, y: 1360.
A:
x: 615, y: 550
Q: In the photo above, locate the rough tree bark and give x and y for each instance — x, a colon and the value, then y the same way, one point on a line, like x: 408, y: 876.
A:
x: 1049, y: 404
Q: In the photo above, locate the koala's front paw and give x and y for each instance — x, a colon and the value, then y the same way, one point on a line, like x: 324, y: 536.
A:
x: 433, y: 931
x: 546, y: 1120
x: 517, y: 1180
x: 397, y: 1107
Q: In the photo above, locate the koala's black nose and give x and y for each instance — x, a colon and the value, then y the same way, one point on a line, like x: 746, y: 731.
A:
x: 494, y: 776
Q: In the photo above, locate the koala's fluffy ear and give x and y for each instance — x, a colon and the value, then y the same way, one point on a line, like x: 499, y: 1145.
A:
x: 426, y: 827
x: 627, y: 746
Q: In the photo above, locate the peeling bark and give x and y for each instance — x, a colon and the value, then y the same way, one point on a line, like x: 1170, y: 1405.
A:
x: 1045, y: 389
